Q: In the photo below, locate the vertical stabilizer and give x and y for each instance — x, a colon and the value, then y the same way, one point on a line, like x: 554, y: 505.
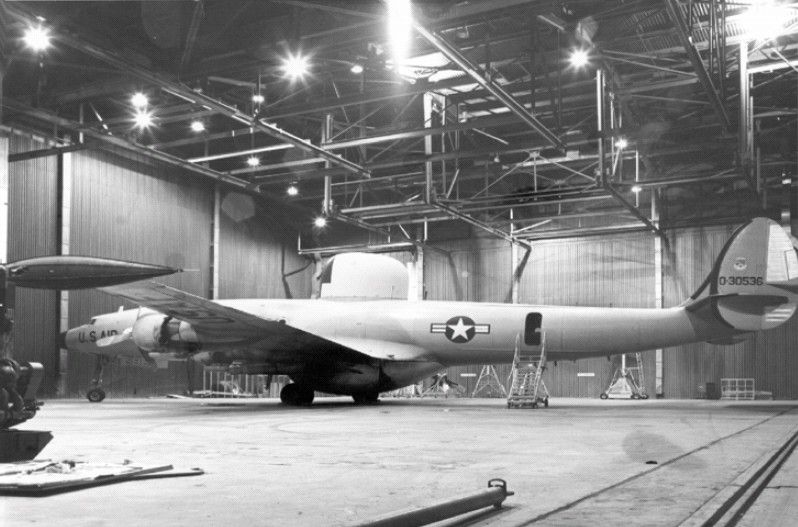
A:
x: 754, y: 284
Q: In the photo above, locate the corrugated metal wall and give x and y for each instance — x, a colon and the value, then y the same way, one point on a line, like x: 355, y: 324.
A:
x: 258, y: 258
x: 32, y: 214
x: 130, y: 208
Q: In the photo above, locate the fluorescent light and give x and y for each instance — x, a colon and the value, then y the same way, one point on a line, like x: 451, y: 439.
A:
x: 636, y: 189
x: 400, y: 28
x: 197, y: 126
x: 139, y: 100
x: 258, y: 98
x: 143, y: 119
x: 320, y: 222
x: 253, y: 161
x: 295, y: 66
x: 292, y: 190
x: 579, y: 58
x: 37, y: 38
x: 765, y: 19
x: 357, y: 69
x: 621, y: 143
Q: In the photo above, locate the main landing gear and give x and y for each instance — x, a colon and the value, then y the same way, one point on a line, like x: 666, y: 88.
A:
x: 96, y: 394
x: 296, y: 395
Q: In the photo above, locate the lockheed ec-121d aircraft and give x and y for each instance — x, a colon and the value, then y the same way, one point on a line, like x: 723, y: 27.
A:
x: 363, y: 337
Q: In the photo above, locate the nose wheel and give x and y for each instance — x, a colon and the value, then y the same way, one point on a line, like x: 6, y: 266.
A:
x: 95, y: 395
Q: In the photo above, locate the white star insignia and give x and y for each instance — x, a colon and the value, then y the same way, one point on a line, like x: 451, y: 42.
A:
x: 460, y: 329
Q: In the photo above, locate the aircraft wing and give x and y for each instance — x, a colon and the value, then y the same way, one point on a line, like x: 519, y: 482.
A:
x: 217, y: 322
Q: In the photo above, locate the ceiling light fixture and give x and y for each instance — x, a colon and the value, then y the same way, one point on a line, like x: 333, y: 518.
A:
x: 636, y: 189
x: 357, y: 69
x: 295, y: 66
x: 621, y: 143
x: 37, y: 38
x: 258, y: 98
x: 253, y: 161
x: 579, y: 58
x: 766, y: 19
x: 400, y: 29
x: 292, y: 190
x: 197, y: 126
x: 142, y: 119
x: 139, y: 100
x: 320, y: 222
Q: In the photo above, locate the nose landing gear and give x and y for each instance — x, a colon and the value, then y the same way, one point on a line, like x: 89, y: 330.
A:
x: 96, y: 394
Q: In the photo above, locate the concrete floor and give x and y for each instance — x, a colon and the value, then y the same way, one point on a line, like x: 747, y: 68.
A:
x: 578, y: 462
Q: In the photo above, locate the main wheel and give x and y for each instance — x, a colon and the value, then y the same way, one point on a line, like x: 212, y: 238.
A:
x: 296, y: 395
x: 603, y: 396
x: 367, y: 398
x: 95, y: 395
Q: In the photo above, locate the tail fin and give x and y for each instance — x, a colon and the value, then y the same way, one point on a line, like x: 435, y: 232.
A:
x: 754, y: 284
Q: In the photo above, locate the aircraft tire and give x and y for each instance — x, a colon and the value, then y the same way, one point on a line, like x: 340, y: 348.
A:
x: 603, y: 396
x: 367, y: 398
x: 644, y: 396
x: 95, y: 395
x: 296, y: 395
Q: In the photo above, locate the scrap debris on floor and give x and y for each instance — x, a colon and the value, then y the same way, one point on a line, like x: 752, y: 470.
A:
x: 46, y: 477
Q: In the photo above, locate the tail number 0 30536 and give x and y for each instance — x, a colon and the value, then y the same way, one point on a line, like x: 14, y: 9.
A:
x: 741, y: 280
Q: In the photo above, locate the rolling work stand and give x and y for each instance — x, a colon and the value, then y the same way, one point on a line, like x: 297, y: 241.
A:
x: 628, y: 381
x: 528, y: 389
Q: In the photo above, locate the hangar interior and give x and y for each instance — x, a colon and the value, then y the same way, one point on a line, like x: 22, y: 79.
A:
x: 580, y: 152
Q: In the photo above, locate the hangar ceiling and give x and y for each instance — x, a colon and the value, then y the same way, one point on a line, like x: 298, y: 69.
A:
x: 682, y: 114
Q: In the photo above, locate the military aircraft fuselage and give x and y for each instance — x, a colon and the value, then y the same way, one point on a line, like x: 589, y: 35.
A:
x: 476, y: 333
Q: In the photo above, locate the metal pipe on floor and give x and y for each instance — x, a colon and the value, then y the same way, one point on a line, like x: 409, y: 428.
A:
x: 493, y: 497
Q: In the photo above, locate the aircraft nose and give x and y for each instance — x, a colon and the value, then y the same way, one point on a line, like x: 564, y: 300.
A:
x: 62, y: 340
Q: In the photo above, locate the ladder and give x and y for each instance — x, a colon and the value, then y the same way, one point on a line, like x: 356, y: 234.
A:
x: 528, y: 389
x: 488, y: 380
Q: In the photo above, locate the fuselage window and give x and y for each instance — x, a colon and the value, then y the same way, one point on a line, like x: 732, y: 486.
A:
x: 534, y: 322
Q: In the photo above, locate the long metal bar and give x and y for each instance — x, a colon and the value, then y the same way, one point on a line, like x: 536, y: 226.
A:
x: 494, y: 89
x: 676, y: 15
x: 477, y: 223
x: 190, y: 95
x: 191, y: 34
x: 251, y: 151
x: 51, y: 118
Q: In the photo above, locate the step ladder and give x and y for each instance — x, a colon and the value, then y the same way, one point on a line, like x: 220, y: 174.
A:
x: 628, y: 381
x: 488, y: 381
x: 528, y: 389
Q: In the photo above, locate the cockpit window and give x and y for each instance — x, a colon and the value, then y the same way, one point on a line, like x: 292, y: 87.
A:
x: 92, y: 321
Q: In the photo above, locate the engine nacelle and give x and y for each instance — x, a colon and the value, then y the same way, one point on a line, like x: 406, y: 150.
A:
x: 155, y: 332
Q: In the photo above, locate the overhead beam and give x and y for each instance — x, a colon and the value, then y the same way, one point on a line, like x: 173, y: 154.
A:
x: 51, y: 118
x: 676, y: 15
x: 181, y: 91
x: 493, y: 88
x: 480, y: 224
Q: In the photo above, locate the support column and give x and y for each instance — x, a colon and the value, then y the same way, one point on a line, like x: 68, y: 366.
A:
x: 514, y: 258
x: 658, y: 298
x: 746, y: 121
x: 216, y: 227
x: 600, y: 98
x: 428, y: 194
x: 64, y: 234
x: 4, y: 140
x: 326, y: 133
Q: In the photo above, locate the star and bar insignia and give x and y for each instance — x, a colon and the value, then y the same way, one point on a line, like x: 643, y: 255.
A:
x: 460, y: 329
